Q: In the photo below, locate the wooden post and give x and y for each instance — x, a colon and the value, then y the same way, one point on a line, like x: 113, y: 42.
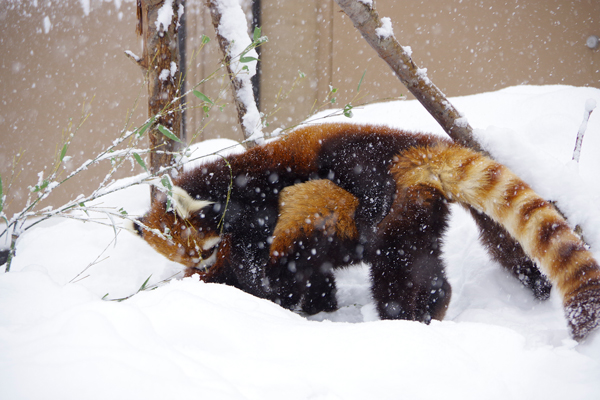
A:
x: 158, y: 25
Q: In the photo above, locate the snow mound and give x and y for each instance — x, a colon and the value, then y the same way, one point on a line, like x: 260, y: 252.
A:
x: 189, y: 340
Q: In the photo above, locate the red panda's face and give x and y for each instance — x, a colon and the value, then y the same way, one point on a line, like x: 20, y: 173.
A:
x: 185, y: 234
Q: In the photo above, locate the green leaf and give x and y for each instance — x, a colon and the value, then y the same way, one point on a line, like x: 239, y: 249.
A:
x: 44, y: 185
x: 256, y: 35
x: 168, y: 133
x: 143, y: 287
x: 166, y: 182
x: 348, y: 110
x: 332, y: 100
x: 146, y: 126
x: 247, y: 59
x: 105, y: 296
x: 63, y: 152
x: 360, y: 82
x: 140, y: 161
x: 202, y: 96
x: 205, y: 39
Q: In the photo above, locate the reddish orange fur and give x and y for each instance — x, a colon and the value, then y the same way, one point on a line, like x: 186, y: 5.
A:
x: 315, y: 205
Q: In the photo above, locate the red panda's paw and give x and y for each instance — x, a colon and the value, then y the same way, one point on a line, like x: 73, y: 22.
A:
x: 583, y: 313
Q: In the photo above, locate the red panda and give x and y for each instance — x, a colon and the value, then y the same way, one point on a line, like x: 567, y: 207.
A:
x: 276, y: 220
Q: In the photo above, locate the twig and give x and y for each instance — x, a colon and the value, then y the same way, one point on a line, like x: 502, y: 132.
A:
x: 144, y: 288
x: 590, y: 105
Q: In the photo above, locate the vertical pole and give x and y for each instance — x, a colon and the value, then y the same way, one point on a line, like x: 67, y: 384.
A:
x: 257, y: 22
x: 158, y: 24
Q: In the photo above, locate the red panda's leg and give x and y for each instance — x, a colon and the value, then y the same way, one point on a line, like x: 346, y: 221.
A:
x: 407, y: 270
x: 508, y: 252
x: 315, y: 232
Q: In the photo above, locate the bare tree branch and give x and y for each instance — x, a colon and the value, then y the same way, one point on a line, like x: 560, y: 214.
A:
x: 590, y: 105
x: 380, y: 37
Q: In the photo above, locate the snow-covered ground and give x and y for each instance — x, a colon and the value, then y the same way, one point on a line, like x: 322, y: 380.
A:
x: 192, y: 340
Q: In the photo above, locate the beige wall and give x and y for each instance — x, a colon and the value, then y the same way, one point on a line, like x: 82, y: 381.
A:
x: 49, y: 78
x: 467, y: 46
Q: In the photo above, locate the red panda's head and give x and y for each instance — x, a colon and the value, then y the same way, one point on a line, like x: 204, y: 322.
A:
x: 188, y: 232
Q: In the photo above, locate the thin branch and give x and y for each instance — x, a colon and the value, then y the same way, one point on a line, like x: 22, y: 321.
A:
x: 590, y: 105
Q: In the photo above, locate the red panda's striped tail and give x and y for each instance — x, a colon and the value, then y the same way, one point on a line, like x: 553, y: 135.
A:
x: 472, y: 179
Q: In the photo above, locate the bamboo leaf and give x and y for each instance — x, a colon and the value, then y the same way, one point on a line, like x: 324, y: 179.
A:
x: 348, y: 110
x: 256, y: 34
x: 205, y: 39
x: 63, y: 152
x: 43, y: 186
x: 247, y: 59
x: 202, y: 96
x: 361, y: 80
x: 140, y: 161
x: 146, y: 126
x: 168, y: 133
x: 166, y: 182
x: 143, y: 287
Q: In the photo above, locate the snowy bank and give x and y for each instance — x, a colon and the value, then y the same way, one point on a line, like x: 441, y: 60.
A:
x: 189, y: 340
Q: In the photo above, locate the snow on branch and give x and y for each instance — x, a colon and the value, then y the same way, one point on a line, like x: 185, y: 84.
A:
x: 240, y: 58
x: 379, y: 34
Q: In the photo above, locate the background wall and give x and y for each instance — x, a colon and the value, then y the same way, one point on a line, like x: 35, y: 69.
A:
x: 61, y: 60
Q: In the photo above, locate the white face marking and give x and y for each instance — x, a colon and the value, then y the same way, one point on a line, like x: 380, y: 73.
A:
x: 206, y: 263
x: 130, y: 226
x: 210, y: 243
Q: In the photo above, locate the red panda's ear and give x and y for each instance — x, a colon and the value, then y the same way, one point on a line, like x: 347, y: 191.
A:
x: 184, y: 205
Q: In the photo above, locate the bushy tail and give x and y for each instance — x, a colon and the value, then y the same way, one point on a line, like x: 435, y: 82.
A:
x: 470, y: 178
